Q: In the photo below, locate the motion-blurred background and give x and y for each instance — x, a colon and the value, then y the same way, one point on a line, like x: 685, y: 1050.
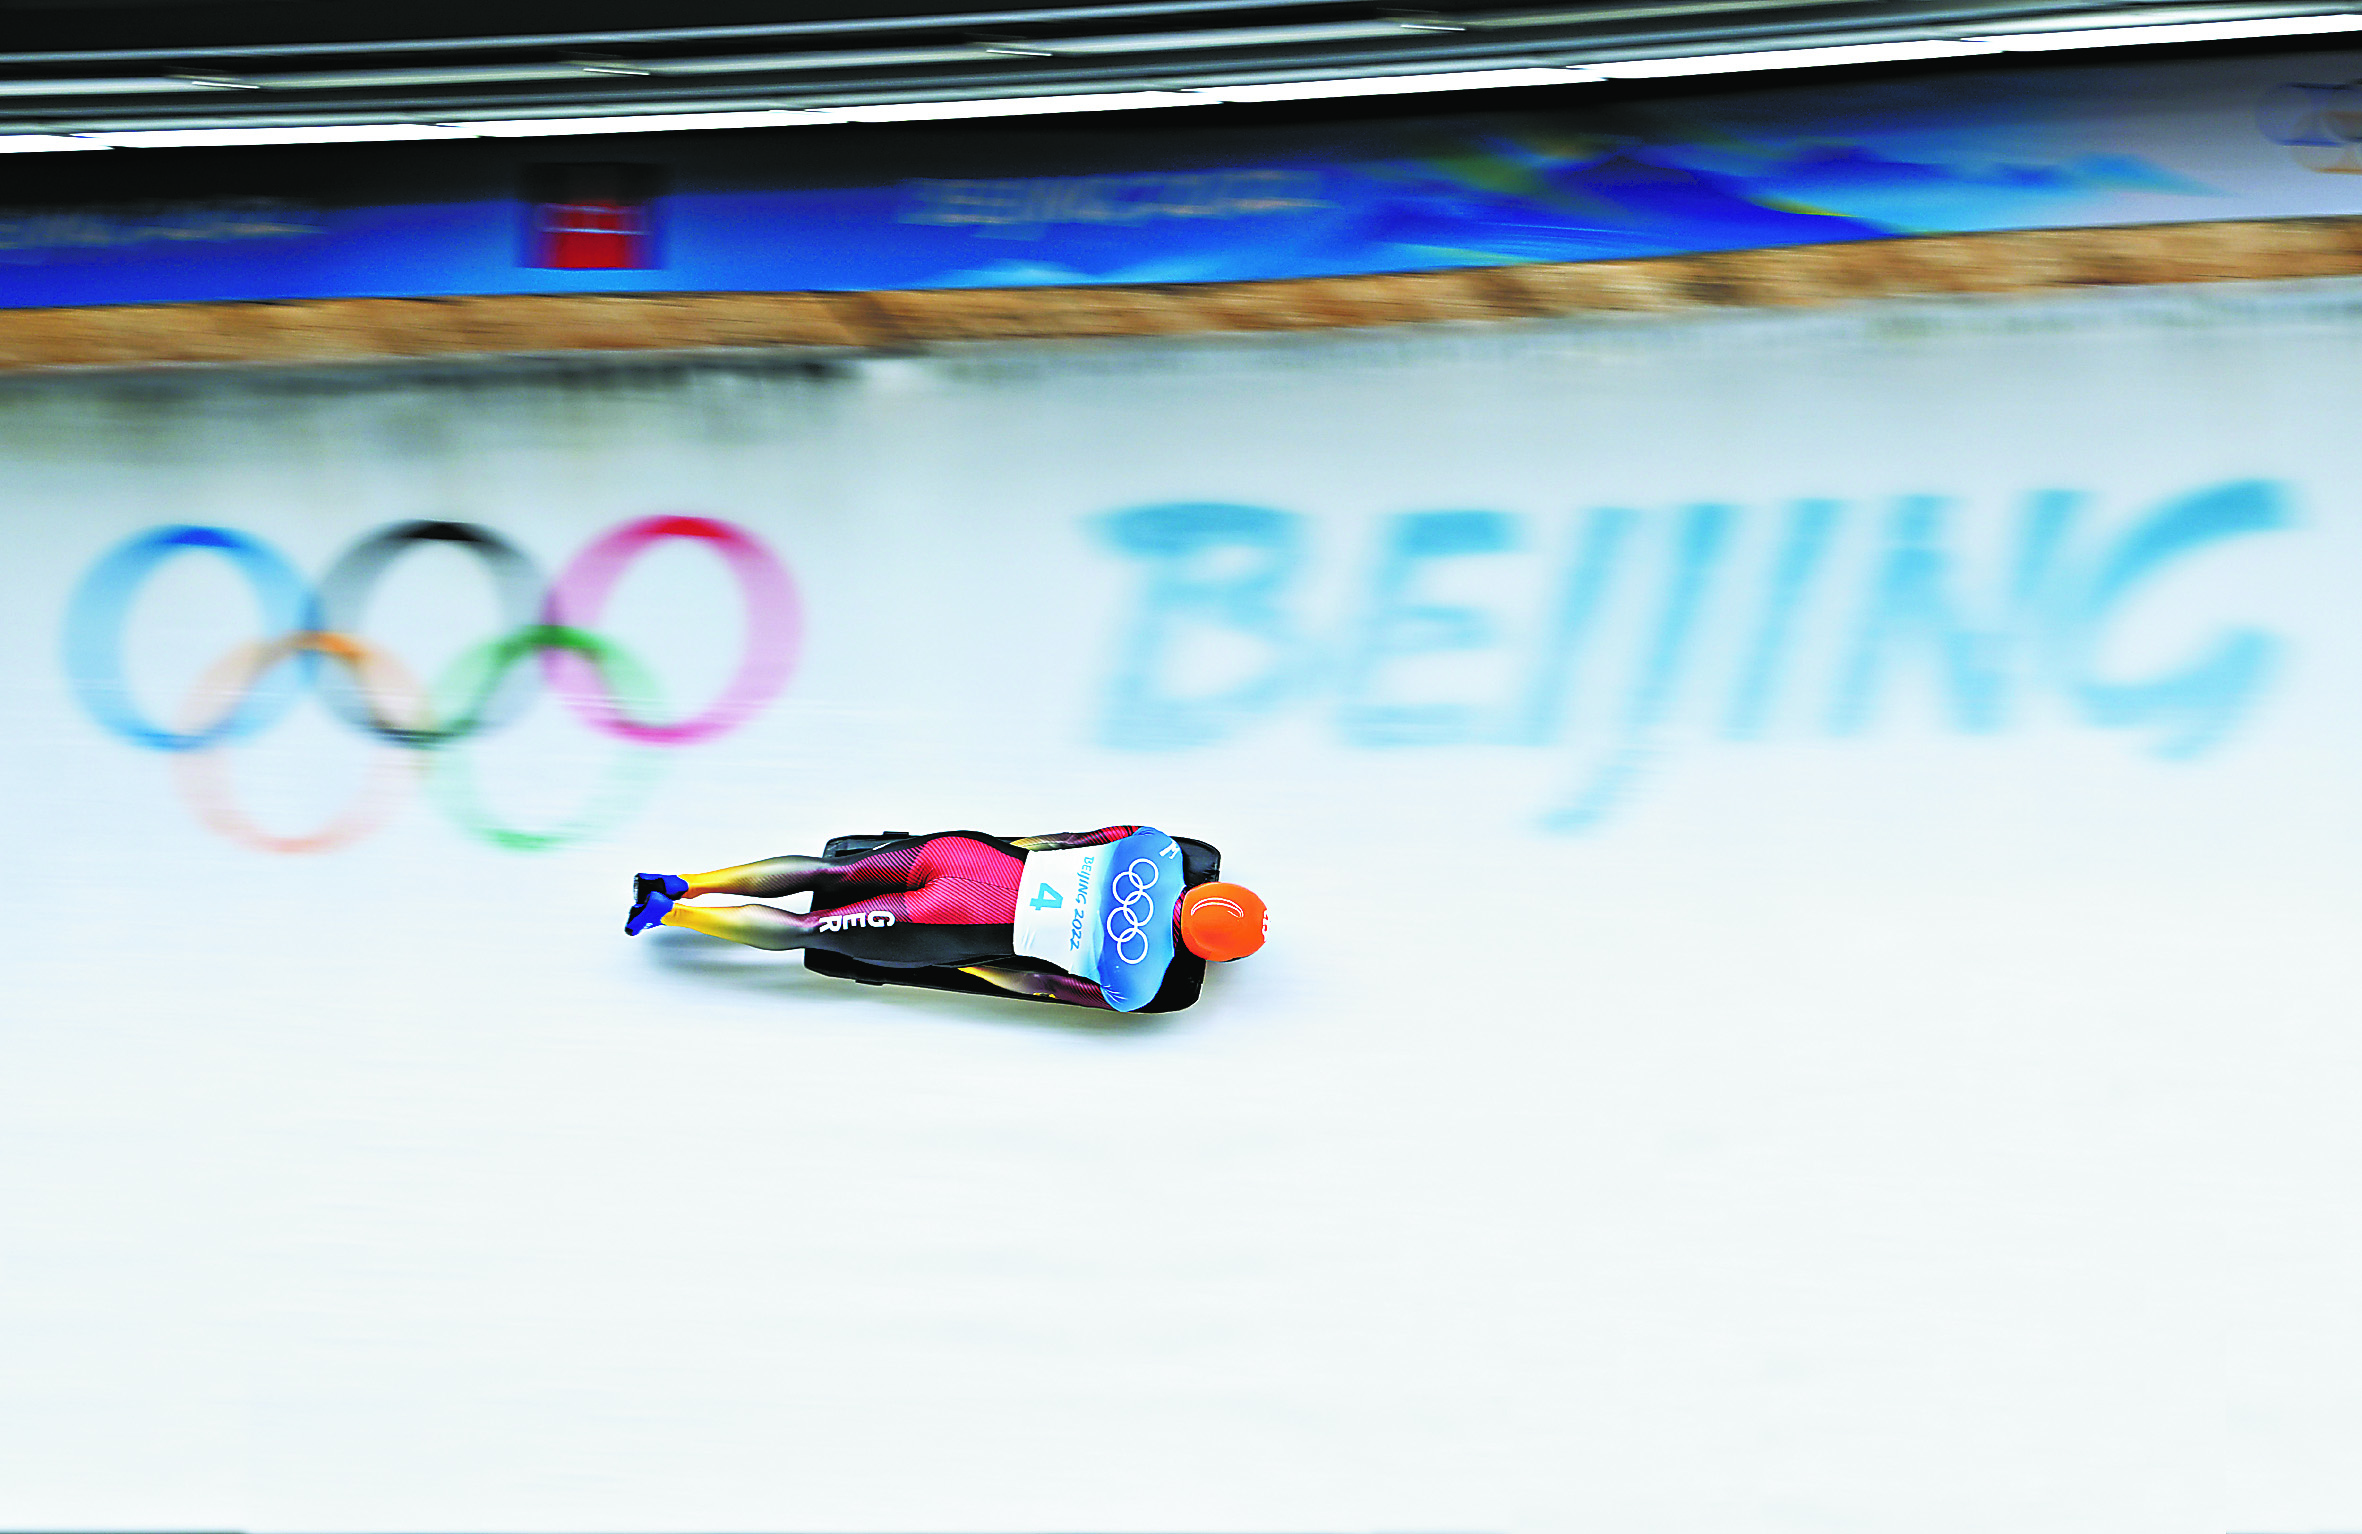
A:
x: 1764, y: 589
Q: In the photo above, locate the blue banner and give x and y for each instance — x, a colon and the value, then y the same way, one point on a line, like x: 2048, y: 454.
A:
x: 2243, y: 138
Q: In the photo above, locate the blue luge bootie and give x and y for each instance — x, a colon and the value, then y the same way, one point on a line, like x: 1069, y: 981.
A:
x: 646, y: 913
x: 652, y: 896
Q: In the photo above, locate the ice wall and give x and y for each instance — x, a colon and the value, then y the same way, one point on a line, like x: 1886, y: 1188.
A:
x: 1813, y: 881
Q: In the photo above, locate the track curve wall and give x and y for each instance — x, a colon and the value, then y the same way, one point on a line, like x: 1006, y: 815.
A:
x: 1776, y: 823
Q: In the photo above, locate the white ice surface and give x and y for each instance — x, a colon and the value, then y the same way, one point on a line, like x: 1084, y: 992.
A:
x: 1904, y: 1128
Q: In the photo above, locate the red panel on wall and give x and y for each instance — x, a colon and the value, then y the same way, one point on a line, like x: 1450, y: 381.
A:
x: 581, y: 236
x: 591, y: 217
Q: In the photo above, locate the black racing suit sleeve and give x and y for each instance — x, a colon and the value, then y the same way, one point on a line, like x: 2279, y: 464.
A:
x: 1046, y: 984
x: 1055, y: 840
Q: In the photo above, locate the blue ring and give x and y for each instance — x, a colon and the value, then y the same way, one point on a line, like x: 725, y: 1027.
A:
x: 102, y: 603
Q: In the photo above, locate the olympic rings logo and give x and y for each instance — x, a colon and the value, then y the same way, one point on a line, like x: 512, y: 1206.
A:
x: 1131, y: 908
x: 310, y: 644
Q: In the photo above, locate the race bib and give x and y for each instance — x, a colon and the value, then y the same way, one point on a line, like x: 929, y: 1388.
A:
x: 1104, y: 913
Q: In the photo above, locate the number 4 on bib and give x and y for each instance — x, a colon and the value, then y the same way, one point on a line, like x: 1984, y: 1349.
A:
x: 1047, y: 898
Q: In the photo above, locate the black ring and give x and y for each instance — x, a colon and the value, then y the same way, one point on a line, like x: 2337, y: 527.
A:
x: 343, y: 595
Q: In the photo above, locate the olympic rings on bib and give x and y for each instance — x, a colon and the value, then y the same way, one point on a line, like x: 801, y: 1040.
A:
x: 312, y: 642
x: 1130, y: 907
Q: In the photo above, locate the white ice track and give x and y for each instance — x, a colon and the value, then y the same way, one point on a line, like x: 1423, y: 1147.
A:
x: 1873, y: 1124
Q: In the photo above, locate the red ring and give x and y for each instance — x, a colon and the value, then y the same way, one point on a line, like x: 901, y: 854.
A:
x: 774, y: 627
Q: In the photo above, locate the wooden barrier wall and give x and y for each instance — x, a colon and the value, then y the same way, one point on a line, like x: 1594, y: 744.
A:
x: 363, y: 329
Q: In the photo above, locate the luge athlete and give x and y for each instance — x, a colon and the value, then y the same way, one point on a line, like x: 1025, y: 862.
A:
x: 1105, y: 907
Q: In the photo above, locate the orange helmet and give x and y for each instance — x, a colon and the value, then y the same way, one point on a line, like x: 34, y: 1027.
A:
x: 1222, y: 921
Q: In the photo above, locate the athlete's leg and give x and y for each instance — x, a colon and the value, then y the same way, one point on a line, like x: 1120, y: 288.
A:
x: 922, y: 900
x: 879, y: 930
x: 771, y: 876
x: 757, y: 926
x: 893, y: 867
x: 890, y: 869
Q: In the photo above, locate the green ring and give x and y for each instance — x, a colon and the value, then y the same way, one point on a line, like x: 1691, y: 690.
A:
x: 474, y: 676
